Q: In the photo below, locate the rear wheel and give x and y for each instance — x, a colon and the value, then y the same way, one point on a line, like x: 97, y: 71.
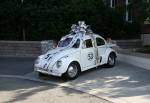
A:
x: 111, y: 60
x: 72, y: 71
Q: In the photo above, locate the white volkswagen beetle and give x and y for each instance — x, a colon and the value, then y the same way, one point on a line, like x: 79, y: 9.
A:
x: 75, y: 53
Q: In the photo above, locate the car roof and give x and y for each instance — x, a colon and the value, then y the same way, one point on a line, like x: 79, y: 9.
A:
x: 95, y: 35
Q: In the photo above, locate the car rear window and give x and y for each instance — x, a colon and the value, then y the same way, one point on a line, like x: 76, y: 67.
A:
x: 100, y: 41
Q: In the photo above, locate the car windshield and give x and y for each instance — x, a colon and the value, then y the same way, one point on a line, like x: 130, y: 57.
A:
x: 65, y: 42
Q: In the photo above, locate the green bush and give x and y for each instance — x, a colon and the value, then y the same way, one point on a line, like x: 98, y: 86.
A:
x: 51, y: 19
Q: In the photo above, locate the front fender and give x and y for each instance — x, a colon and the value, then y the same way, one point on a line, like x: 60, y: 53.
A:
x: 65, y: 63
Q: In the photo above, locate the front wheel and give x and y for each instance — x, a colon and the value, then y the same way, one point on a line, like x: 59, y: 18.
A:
x: 72, y: 72
x: 41, y: 74
x: 111, y: 60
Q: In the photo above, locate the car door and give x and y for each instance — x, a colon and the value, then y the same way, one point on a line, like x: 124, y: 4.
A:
x: 101, y: 48
x: 87, y: 54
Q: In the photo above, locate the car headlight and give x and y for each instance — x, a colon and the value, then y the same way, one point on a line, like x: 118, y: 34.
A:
x: 59, y: 63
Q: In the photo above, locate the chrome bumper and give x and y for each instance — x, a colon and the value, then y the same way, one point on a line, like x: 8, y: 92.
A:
x: 47, y: 71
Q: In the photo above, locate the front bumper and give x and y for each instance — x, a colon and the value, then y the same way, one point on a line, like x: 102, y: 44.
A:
x: 47, y: 71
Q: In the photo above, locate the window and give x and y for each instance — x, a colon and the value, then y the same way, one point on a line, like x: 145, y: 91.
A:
x: 100, y: 41
x: 130, y: 16
x: 147, y: 21
x: 77, y: 44
x: 129, y: 12
x: 112, y: 3
x: 65, y: 42
x: 88, y: 43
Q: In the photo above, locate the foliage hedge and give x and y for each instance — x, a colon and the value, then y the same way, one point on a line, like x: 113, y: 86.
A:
x: 50, y: 19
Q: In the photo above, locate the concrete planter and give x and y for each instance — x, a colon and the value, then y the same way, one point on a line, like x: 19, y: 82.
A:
x: 46, y: 45
x: 127, y: 44
x: 145, y: 39
x: 24, y: 48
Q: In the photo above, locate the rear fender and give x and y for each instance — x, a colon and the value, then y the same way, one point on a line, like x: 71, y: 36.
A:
x: 107, y: 53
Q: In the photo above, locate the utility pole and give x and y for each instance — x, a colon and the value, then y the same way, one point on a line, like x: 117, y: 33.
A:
x: 23, y: 30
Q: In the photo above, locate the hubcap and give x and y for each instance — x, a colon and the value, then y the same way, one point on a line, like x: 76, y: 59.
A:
x: 111, y: 60
x: 72, y: 71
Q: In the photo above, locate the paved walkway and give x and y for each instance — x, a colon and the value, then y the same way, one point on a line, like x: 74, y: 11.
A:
x: 14, y: 90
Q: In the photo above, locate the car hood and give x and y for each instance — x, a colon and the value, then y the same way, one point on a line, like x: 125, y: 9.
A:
x: 53, y: 55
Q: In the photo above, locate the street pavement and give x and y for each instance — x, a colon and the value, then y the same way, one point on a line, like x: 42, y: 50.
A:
x: 123, y: 83
x: 16, y: 66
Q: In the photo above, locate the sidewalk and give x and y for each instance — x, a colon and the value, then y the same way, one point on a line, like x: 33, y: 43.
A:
x: 13, y: 90
x: 134, y: 58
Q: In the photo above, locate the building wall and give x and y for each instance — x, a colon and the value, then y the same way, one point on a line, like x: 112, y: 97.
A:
x: 146, y: 29
x: 129, y: 16
x: 146, y: 34
x: 145, y: 39
x: 129, y: 44
x: 119, y: 3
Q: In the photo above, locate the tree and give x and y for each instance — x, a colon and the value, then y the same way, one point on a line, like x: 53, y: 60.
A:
x: 9, y: 20
x: 51, y: 19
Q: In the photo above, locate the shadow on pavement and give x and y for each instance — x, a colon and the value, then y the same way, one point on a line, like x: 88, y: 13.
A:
x: 24, y: 91
x: 123, y: 80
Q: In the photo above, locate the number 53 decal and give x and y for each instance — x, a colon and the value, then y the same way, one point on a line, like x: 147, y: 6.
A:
x: 90, y: 56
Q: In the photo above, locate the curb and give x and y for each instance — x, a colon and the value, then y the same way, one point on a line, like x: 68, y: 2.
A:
x: 134, y: 60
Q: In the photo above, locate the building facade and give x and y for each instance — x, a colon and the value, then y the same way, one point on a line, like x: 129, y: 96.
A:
x: 121, y: 3
x: 129, y: 17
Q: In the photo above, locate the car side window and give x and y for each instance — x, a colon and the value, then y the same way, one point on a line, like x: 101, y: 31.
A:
x: 100, y: 41
x: 88, y: 43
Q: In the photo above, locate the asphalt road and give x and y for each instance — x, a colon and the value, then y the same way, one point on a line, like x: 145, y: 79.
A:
x: 123, y: 83
x: 16, y: 66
